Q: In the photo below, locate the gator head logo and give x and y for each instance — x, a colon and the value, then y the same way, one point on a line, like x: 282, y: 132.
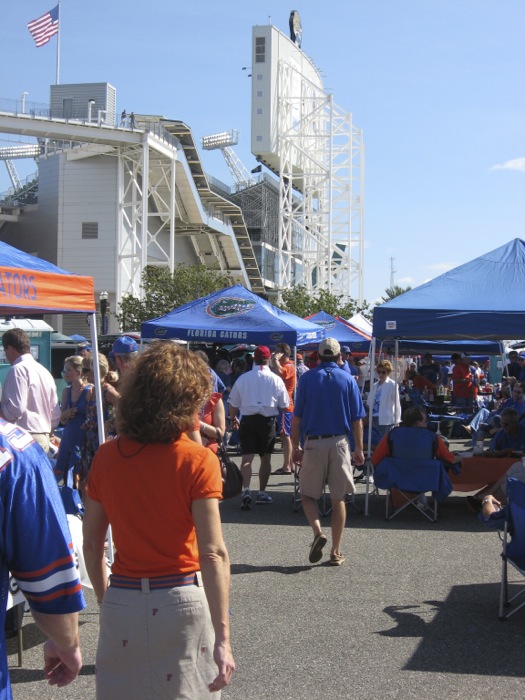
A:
x: 160, y: 332
x: 226, y: 307
x: 327, y: 325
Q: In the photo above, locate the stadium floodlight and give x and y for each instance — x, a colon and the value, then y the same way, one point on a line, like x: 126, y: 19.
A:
x: 224, y: 139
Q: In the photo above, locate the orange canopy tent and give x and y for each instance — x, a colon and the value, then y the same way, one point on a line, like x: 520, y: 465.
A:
x: 34, y: 286
x: 30, y: 285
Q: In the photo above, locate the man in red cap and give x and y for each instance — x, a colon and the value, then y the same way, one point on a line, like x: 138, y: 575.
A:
x: 257, y: 395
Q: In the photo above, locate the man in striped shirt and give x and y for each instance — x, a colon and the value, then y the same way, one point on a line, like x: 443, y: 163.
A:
x: 36, y: 547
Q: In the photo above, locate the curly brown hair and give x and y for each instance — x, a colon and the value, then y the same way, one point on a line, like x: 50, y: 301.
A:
x: 162, y: 393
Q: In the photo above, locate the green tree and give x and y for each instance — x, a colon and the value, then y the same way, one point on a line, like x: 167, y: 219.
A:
x: 395, y: 291
x: 299, y: 301
x: 164, y: 292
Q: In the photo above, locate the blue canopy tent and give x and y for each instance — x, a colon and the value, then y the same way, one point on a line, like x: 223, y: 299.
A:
x: 233, y: 314
x: 482, y: 299
x: 338, y: 328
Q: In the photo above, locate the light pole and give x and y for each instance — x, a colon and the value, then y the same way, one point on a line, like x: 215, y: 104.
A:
x: 23, y: 101
x: 103, y: 297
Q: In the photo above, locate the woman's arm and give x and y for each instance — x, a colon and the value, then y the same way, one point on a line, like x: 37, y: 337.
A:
x: 95, y: 526
x: 65, y: 413
x: 111, y: 395
x: 444, y: 453
x: 215, y: 568
x: 217, y: 428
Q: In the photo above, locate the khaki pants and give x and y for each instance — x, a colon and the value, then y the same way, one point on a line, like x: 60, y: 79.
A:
x: 42, y: 439
x: 155, y: 644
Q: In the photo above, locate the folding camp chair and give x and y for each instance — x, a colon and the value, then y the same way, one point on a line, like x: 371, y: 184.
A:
x: 513, y: 551
x: 413, y: 472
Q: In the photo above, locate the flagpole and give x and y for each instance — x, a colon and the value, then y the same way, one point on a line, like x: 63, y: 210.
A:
x: 58, y: 46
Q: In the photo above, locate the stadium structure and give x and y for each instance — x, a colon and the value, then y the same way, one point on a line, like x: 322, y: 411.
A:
x: 111, y: 197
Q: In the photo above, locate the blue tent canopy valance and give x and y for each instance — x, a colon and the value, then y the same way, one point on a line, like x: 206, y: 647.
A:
x: 482, y: 299
x: 233, y: 315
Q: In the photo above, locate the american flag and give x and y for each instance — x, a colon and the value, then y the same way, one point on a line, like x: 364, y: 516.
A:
x: 43, y: 28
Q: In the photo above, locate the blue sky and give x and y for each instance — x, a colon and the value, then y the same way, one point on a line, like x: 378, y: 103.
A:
x: 438, y: 87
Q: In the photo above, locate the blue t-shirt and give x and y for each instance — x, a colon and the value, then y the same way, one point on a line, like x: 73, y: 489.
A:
x: 328, y: 401
x: 35, y: 543
x: 505, y: 441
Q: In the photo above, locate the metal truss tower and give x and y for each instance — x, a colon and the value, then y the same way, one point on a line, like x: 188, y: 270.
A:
x: 322, y: 158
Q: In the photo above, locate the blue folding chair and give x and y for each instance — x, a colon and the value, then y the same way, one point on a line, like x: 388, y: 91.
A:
x: 513, y: 551
x: 413, y: 471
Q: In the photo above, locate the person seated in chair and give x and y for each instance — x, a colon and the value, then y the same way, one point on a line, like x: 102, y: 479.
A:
x: 415, y: 417
x: 510, y: 438
x: 429, y: 446
x: 487, y: 423
x: 420, y: 383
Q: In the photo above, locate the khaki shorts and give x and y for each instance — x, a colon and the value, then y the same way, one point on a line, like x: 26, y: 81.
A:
x: 328, y: 461
x: 156, y: 644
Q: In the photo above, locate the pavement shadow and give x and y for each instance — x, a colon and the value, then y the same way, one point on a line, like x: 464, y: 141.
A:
x: 453, y: 514
x: 249, y: 569
x: 461, y: 634
x: 31, y: 675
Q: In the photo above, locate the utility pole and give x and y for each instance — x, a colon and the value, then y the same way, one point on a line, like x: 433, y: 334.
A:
x: 392, y: 273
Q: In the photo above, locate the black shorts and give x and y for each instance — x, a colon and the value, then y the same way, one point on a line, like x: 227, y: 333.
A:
x: 257, y: 434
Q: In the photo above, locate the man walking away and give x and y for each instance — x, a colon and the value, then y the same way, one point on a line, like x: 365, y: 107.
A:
x: 257, y: 395
x: 328, y: 408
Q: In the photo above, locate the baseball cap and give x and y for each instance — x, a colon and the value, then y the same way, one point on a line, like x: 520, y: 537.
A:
x: 124, y: 345
x: 261, y: 353
x: 522, y: 355
x: 464, y: 355
x: 345, y: 348
x: 329, y: 348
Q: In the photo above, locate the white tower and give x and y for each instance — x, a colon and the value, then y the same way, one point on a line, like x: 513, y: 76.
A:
x: 300, y: 133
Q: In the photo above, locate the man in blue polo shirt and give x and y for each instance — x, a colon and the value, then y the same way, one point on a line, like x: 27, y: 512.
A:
x: 328, y: 409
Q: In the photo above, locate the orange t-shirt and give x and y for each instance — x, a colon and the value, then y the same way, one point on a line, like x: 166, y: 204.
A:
x: 146, y: 490
x: 288, y: 375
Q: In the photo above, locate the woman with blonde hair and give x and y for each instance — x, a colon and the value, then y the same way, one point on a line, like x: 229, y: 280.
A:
x: 384, y: 399
x: 72, y: 417
x: 160, y: 493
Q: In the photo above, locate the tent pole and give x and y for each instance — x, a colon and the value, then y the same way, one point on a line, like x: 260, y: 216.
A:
x: 370, y: 419
x: 100, y: 408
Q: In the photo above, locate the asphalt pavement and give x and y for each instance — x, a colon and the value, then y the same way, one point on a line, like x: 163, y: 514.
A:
x: 412, y: 612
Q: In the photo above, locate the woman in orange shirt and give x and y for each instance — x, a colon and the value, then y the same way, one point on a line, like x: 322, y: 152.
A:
x: 161, y: 634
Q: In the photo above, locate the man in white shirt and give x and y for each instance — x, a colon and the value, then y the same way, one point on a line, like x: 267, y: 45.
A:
x: 257, y: 395
x: 29, y: 396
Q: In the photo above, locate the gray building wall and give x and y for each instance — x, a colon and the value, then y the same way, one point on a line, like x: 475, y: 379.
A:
x: 71, y: 101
